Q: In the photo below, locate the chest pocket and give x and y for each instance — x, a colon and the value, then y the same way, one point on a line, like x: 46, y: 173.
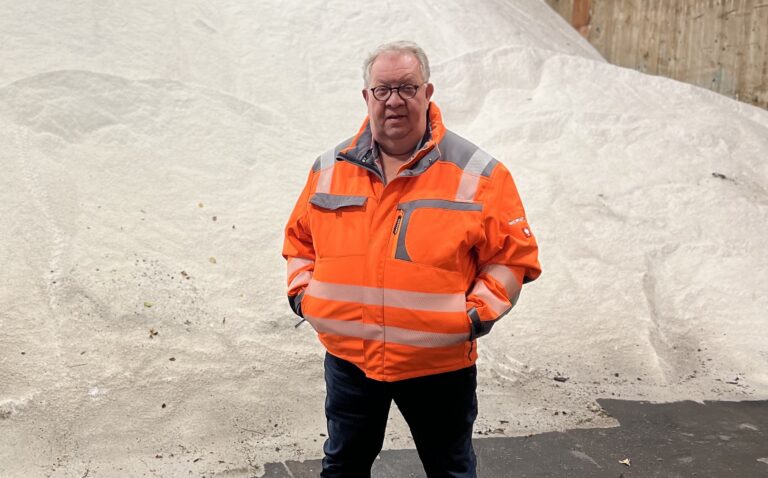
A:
x: 438, y: 232
x: 338, y: 224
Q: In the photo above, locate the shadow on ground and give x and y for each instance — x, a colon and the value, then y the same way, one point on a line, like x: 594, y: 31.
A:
x: 667, y: 440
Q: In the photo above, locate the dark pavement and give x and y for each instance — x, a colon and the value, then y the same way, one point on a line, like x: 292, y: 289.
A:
x: 668, y: 440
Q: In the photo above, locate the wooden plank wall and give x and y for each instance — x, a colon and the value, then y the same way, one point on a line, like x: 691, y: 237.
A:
x: 717, y: 44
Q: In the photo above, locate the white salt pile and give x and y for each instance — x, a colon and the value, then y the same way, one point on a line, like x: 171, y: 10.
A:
x: 151, y: 153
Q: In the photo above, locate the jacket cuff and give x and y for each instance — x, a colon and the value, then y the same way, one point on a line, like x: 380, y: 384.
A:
x: 295, y: 302
x: 477, y: 327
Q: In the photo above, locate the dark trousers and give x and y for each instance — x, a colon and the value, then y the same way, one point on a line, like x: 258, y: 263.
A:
x: 439, y: 409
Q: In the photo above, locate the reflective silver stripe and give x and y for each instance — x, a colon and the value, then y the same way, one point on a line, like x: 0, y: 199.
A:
x: 426, y: 301
x: 401, y: 252
x: 419, y: 338
x: 498, y: 306
x: 507, y: 278
x: 347, y: 328
x: 327, y: 160
x: 302, y: 278
x: 467, y: 187
x: 471, y: 176
x: 296, y: 263
x: 396, y: 335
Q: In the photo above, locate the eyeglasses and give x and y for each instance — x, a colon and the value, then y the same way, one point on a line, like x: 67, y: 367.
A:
x: 406, y: 92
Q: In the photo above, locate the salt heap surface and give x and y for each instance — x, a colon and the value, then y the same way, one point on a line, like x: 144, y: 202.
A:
x: 152, y: 152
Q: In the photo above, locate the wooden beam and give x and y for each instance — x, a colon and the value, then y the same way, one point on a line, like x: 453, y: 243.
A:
x: 580, y: 17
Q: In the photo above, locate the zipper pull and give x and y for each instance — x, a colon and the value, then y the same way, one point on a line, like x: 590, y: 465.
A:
x: 397, y: 223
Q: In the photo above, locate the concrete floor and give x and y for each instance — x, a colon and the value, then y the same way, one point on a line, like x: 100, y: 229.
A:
x: 668, y: 440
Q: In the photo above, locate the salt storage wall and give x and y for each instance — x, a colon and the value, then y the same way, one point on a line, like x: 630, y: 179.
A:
x: 716, y: 44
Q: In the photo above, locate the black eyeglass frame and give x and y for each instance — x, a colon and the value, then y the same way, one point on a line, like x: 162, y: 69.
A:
x: 396, y: 88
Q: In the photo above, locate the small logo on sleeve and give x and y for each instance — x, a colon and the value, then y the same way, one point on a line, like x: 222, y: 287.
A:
x: 527, y: 231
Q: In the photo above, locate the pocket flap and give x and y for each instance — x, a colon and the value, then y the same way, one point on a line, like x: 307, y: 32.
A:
x: 336, y: 201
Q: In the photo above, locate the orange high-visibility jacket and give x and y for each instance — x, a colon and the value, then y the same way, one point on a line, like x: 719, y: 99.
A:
x: 400, y: 279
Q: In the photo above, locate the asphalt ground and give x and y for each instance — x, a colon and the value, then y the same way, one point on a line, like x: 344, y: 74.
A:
x: 660, y: 440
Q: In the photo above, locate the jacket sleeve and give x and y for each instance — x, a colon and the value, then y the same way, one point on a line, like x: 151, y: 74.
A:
x: 507, y: 255
x: 298, y: 249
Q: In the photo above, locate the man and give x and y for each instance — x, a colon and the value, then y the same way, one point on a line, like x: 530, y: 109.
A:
x: 406, y: 245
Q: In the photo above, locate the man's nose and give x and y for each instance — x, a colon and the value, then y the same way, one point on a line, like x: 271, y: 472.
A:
x: 394, y: 99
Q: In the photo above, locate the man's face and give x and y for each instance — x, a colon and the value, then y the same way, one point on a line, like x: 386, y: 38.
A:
x: 398, y: 124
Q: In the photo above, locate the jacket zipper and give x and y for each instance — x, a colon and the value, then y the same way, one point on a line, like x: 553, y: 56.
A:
x: 397, y: 223
x: 395, y: 231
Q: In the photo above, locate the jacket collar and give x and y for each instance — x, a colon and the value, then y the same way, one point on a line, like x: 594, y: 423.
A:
x: 363, y: 150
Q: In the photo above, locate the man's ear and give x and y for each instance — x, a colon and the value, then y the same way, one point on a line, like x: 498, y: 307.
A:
x: 430, y: 90
x: 365, y: 95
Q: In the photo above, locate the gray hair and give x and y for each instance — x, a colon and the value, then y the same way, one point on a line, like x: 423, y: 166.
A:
x: 397, y: 47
